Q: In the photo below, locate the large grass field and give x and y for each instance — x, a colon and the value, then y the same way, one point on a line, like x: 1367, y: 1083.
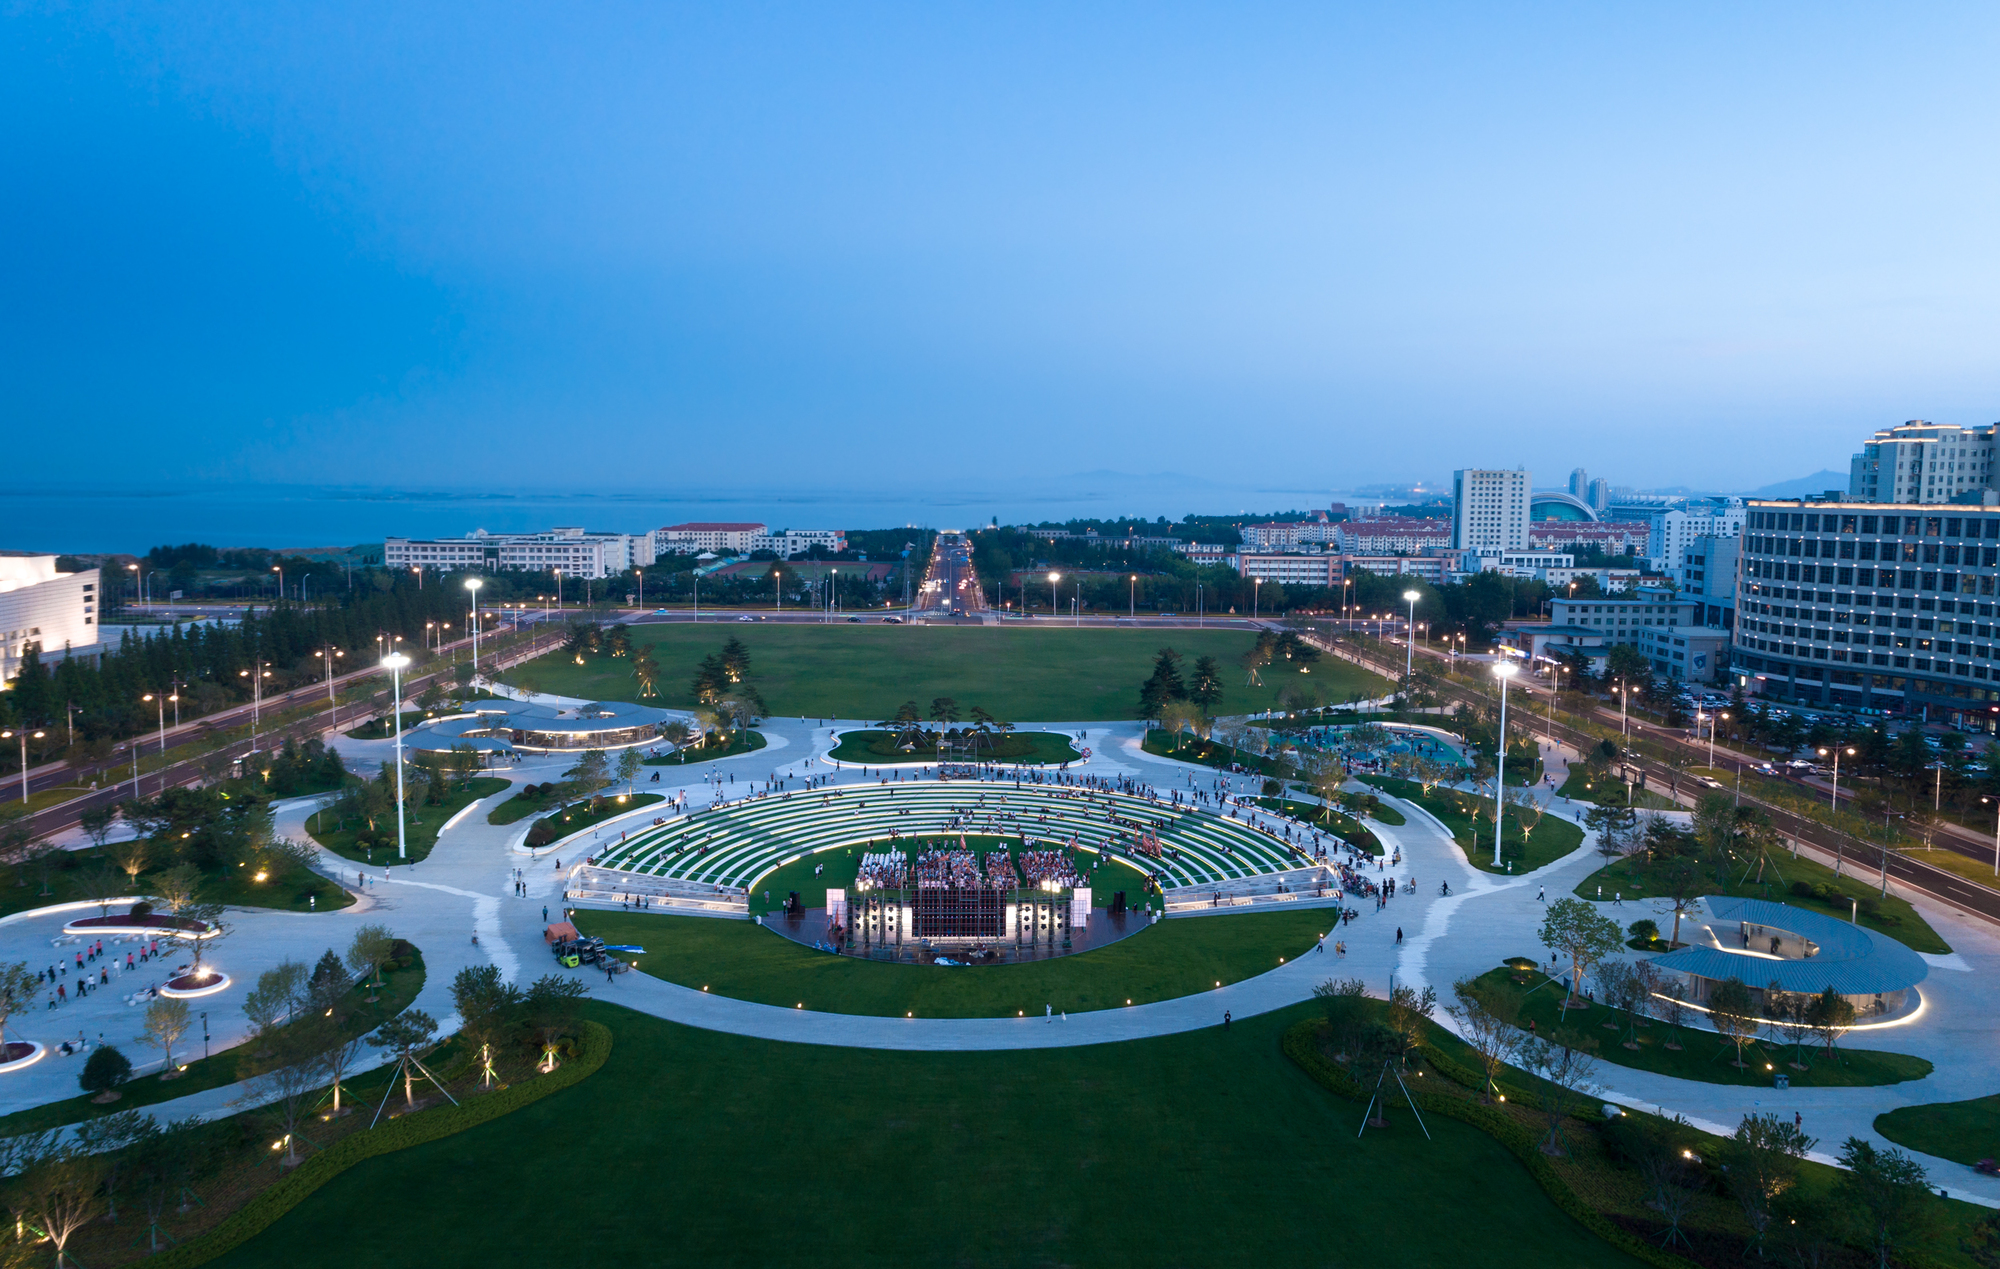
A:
x: 696, y: 1148
x: 865, y: 672
x: 1172, y: 958
x: 1964, y: 1132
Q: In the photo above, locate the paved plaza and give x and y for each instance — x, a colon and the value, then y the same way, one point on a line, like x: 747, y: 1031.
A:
x: 460, y: 906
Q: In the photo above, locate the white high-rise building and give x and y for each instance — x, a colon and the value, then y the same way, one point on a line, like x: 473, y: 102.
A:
x: 575, y: 552
x: 1918, y: 462
x: 1674, y: 531
x: 1489, y: 512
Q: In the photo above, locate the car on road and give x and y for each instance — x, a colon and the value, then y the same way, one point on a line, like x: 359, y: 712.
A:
x: 1710, y: 781
x: 892, y: 621
x: 855, y: 620
x: 745, y: 617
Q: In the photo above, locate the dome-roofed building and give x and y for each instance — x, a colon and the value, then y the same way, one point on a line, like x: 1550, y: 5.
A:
x: 1552, y: 504
x: 1802, y: 953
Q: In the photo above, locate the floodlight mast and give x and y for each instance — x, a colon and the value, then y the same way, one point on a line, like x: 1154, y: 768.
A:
x: 1503, y: 670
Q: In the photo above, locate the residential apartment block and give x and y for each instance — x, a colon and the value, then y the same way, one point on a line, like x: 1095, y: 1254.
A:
x: 1671, y: 531
x: 732, y: 537
x: 1924, y: 464
x: 1391, y: 535
x: 1489, y: 510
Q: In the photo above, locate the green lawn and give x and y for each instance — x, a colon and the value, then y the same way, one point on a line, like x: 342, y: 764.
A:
x: 576, y: 818
x: 291, y: 890
x: 1635, y: 878
x: 1964, y: 1132
x: 1327, y: 818
x: 1186, y: 748
x: 1704, y: 1056
x: 1601, y: 789
x: 1017, y: 673
x: 1208, y: 1148
x: 399, y: 988
x: 420, y: 828
x: 1552, y: 839
x: 1172, y: 958
x: 1032, y: 747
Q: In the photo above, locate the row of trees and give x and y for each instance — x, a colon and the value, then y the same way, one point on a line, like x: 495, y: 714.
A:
x: 943, y: 727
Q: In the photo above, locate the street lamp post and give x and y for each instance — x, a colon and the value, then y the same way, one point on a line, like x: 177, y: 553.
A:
x: 1053, y: 579
x: 24, y: 734
x: 1200, y: 606
x: 1132, y: 598
x: 328, y: 654
x: 473, y: 584
x: 1502, y: 670
x: 1996, y: 833
x: 1410, y: 643
x: 257, y: 673
x: 1835, y: 752
x: 1256, y: 596
x: 161, y: 702
x: 281, y: 580
x: 395, y: 662
x: 1076, y: 611
x: 1624, y: 694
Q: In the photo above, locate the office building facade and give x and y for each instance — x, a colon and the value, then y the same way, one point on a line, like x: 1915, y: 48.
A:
x: 1863, y: 606
x: 573, y: 551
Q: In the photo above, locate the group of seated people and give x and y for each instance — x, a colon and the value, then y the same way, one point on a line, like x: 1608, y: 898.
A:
x: 881, y: 871
x: 1039, y: 866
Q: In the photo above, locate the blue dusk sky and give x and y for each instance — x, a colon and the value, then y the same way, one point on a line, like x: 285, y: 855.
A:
x: 882, y: 248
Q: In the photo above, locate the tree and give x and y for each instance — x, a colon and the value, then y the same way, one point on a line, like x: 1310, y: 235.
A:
x: 591, y: 772
x: 1205, y: 689
x: 1673, y: 1009
x: 486, y: 1006
x: 676, y: 733
x: 646, y: 668
x: 166, y: 1163
x: 97, y: 822
x: 286, y: 1068
x: 55, y: 1186
x: 1409, y: 1015
x: 1179, y: 717
x: 18, y: 990
x: 369, y: 952
x: 1612, y: 824
x: 1732, y: 1013
x: 279, y: 993
x: 1891, y: 1194
x: 553, y: 1003
x: 1787, y: 1016
x: 736, y: 660
x: 210, y: 915
x: 1575, y: 930
x: 403, y: 1036
x: 1165, y: 684
x: 1527, y: 811
x: 1830, y: 1015
x: 166, y: 1021
x: 103, y: 1071
x: 106, y: 1137
x: 1680, y: 888
x: 1564, y: 1062
x: 629, y: 764
x: 1762, y: 1159
x: 1345, y: 1003
x: 176, y: 887
x: 945, y: 711
x: 1489, y: 1022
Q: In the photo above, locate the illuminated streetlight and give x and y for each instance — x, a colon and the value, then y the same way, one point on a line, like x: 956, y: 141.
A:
x: 395, y: 662
x: 1053, y: 579
x: 24, y: 734
x: 1835, y: 752
x: 1410, y: 641
x: 1504, y: 670
x: 473, y: 584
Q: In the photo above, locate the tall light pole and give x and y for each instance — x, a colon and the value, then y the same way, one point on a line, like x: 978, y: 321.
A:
x: 1410, y: 643
x: 1053, y: 579
x: 281, y: 580
x: 395, y: 662
x: 257, y: 673
x: 1200, y: 606
x: 1835, y: 752
x: 1076, y: 613
x: 1624, y: 695
x: 1132, y: 597
x: 1996, y: 833
x: 1502, y: 670
x: 473, y: 584
x: 558, y: 573
x: 160, y: 701
x: 24, y: 734
x: 327, y: 654
x: 1256, y: 595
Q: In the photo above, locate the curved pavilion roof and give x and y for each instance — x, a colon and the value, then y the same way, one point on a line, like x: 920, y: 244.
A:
x: 1851, y: 960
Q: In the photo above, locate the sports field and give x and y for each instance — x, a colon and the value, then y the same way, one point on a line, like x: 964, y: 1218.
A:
x: 1053, y: 673
x: 1173, y: 958
x: 696, y: 1148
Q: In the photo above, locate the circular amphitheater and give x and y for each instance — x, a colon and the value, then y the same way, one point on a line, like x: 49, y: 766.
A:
x: 711, y: 859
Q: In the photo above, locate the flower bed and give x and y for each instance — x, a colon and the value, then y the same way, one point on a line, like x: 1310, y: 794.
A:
x: 188, y: 987
x: 16, y: 1054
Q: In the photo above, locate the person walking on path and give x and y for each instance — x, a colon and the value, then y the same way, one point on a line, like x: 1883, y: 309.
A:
x: 545, y: 914
x: 1049, y: 1012
x: 1225, y: 1020
x: 1399, y: 936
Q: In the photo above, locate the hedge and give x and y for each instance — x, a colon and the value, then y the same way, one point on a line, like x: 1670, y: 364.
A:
x: 1300, y: 1046
x: 401, y: 1133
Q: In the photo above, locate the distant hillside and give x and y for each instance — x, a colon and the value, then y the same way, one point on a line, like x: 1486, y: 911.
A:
x: 1818, y: 482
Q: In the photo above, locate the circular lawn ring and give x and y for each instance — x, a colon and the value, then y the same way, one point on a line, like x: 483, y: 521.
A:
x: 188, y: 987
x: 172, y: 926
x: 20, y: 1054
